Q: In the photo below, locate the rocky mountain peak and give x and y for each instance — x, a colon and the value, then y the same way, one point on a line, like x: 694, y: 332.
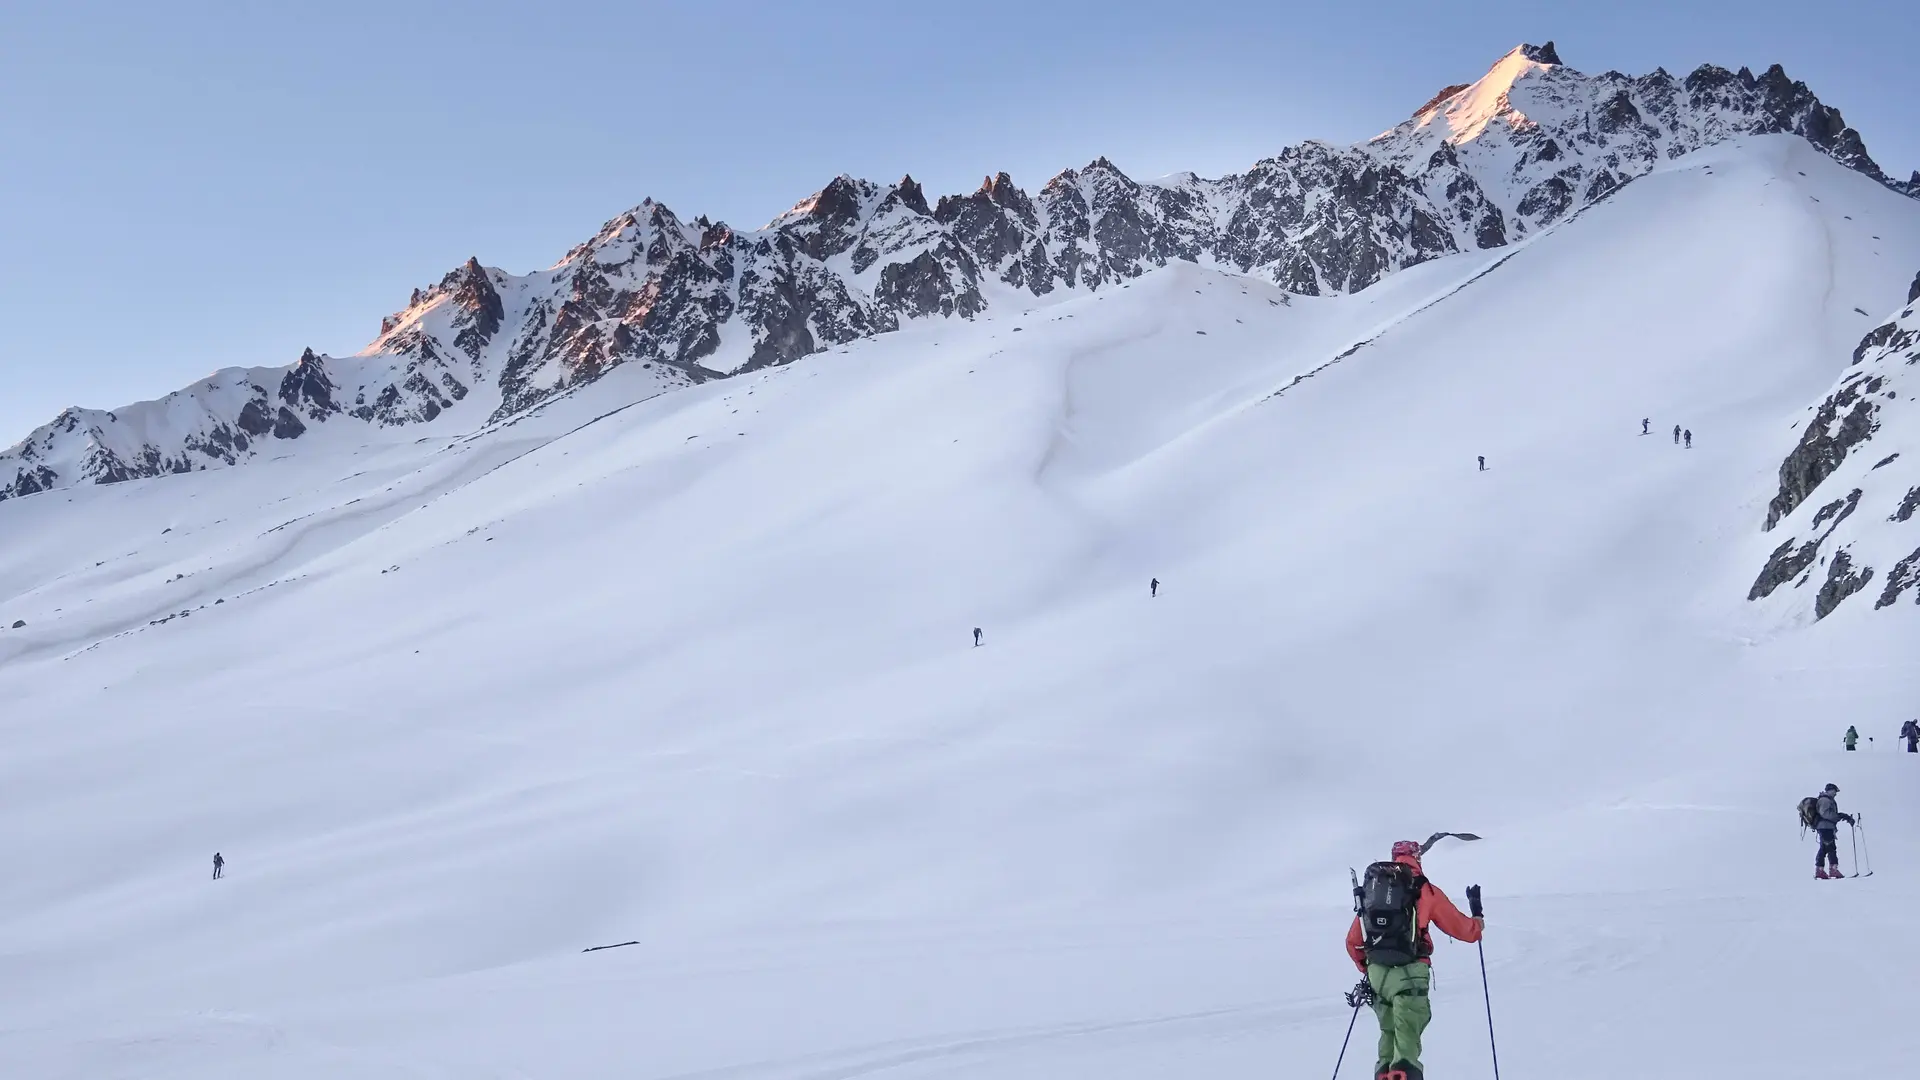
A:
x: 839, y: 201
x: 911, y: 196
x: 1540, y: 54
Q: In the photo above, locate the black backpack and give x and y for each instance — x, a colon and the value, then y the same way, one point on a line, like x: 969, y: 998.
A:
x: 1810, y: 812
x: 1388, y: 900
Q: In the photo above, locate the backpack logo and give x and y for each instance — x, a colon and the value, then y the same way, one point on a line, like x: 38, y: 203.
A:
x: 1389, y: 914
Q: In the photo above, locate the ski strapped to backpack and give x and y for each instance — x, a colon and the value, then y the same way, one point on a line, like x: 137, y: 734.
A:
x: 1387, y: 899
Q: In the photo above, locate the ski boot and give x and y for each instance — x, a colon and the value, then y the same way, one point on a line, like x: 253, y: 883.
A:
x: 1820, y: 873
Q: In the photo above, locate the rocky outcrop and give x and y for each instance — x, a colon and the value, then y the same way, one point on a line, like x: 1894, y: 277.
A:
x: 1905, y: 575
x: 1857, y: 437
x: 1843, y: 580
x: 1788, y: 562
x: 1844, y: 421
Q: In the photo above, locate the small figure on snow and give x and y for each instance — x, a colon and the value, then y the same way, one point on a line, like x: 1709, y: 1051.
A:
x: 1910, y: 731
x: 1676, y: 434
x: 1153, y: 588
x: 976, y: 637
x: 1827, y: 817
x: 1646, y: 425
x: 1483, y: 462
x: 1689, y: 436
x: 1851, y: 738
x: 218, y: 865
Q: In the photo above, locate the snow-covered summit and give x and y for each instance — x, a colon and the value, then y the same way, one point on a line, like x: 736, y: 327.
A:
x: 1542, y: 138
x: 1481, y: 165
x: 1463, y: 113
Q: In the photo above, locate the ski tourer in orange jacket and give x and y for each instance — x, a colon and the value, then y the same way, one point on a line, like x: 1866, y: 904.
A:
x: 1432, y: 908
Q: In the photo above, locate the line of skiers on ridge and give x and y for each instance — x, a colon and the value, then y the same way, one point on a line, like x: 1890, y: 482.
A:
x: 1681, y: 436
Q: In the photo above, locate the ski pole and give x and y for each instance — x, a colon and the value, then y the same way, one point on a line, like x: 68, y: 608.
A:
x: 1473, y: 902
x: 1356, y: 997
x: 1343, y: 1043
x: 1860, y: 830
x: 1853, y: 835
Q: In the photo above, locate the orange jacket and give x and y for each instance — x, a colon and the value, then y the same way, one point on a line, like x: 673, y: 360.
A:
x: 1433, y: 908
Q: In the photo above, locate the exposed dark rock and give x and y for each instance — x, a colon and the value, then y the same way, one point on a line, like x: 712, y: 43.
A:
x: 1786, y: 563
x: 1618, y: 113
x: 923, y: 287
x: 1888, y: 460
x: 1824, y: 445
x: 1906, y: 573
x: 1842, y: 581
x: 1541, y: 54
x: 286, y: 425
x: 481, y: 311
x: 1889, y: 336
x: 1913, y: 290
x: 254, y: 418
x: 308, y: 387
x: 911, y: 196
x: 1838, y: 510
x: 1907, y: 506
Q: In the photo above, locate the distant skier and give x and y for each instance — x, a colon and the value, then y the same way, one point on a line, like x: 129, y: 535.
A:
x: 1646, y: 426
x: 1676, y: 434
x: 976, y: 637
x: 1483, y: 462
x: 1910, y: 731
x: 1851, y: 738
x: 1153, y: 588
x: 218, y: 865
x: 1390, y: 943
x: 1822, y: 814
x: 1689, y: 436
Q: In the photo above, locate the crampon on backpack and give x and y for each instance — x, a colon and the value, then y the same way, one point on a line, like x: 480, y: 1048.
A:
x: 1810, y: 812
x: 1388, y: 901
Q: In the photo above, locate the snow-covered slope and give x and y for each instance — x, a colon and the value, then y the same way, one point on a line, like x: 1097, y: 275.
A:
x: 1479, y: 166
x: 694, y: 670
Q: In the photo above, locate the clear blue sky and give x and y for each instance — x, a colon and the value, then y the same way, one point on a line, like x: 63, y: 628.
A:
x: 186, y: 186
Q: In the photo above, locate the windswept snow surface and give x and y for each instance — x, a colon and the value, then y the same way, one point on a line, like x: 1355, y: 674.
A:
x: 694, y: 670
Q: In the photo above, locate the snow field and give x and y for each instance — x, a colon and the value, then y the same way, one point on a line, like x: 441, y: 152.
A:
x: 695, y: 670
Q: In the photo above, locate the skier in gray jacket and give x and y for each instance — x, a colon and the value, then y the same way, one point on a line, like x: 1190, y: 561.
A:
x: 1827, y: 819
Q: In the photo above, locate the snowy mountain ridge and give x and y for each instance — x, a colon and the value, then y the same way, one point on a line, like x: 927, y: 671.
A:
x: 1481, y: 165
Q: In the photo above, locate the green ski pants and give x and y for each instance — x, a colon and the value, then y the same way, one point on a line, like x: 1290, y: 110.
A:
x: 1401, y: 1004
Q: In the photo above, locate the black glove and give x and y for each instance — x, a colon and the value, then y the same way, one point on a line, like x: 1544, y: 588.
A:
x: 1361, y: 994
x: 1848, y: 818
